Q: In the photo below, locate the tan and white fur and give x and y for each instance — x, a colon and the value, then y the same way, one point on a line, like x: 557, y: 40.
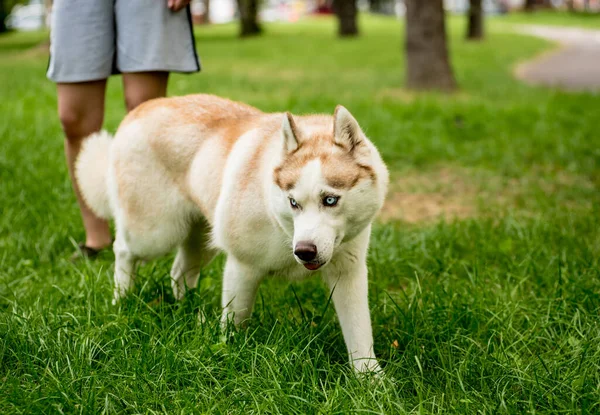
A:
x: 279, y: 194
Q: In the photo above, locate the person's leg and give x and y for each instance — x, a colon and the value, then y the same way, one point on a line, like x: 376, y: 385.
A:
x: 141, y: 86
x: 81, y: 112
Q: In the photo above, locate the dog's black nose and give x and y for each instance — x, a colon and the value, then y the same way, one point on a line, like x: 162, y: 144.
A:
x: 305, y: 251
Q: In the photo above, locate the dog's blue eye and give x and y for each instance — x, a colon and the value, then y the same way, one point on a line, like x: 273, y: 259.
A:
x: 293, y: 203
x: 330, y: 201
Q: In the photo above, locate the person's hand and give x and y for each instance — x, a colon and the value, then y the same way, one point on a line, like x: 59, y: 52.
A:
x: 176, y: 5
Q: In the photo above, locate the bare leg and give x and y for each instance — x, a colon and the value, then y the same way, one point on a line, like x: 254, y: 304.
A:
x: 142, y: 86
x: 240, y: 284
x: 192, y: 255
x: 81, y: 112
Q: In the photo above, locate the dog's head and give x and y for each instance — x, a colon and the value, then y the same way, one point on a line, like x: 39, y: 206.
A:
x: 330, y: 184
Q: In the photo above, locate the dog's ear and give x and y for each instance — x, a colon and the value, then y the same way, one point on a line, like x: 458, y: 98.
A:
x: 289, y: 133
x: 346, y: 131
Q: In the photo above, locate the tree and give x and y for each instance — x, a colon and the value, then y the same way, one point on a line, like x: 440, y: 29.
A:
x: 206, y: 11
x: 529, y: 5
x: 248, y: 10
x: 346, y: 12
x: 374, y: 6
x: 475, y: 29
x: 427, y: 61
x: 3, y: 15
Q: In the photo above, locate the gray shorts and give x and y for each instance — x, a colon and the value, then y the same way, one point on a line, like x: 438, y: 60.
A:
x: 92, y: 39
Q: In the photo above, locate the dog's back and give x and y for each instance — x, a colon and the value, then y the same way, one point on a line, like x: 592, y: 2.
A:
x: 167, y: 163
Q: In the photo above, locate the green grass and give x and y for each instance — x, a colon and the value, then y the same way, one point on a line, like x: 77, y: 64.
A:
x: 493, y: 312
x: 554, y: 18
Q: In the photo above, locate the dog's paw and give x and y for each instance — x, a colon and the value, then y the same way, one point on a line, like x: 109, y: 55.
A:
x: 118, y: 295
x: 376, y: 377
x: 367, y: 365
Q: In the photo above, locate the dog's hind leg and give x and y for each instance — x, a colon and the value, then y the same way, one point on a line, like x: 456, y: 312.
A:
x: 193, y: 253
x: 125, y: 262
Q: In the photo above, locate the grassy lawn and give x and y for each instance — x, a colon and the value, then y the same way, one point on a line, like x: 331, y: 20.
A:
x: 484, y: 271
x: 548, y: 17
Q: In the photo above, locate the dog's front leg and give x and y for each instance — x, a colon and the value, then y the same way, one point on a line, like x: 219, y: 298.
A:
x: 240, y: 284
x: 349, y: 286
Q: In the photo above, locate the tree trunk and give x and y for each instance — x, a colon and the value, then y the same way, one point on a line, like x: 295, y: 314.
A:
x: 346, y: 12
x: 586, y: 5
x: 206, y: 11
x: 3, y: 15
x: 529, y: 5
x: 374, y: 6
x: 427, y: 61
x: 248, y: 10
x: 475, y: 29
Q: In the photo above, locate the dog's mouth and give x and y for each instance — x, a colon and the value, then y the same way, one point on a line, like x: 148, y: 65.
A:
x: 313, y: 266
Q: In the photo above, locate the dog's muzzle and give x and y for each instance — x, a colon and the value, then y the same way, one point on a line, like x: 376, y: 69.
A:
x: 307, y: 253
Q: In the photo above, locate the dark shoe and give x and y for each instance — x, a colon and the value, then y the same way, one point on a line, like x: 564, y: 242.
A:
x: 84, y: 251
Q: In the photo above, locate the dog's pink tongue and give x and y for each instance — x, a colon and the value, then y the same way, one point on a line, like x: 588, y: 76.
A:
x: 312, y: 267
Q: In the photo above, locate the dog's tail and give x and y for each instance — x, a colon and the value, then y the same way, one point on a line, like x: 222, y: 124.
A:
x: 91, y: 170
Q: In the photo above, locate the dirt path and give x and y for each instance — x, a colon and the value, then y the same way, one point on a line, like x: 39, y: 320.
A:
x: 574, y: 66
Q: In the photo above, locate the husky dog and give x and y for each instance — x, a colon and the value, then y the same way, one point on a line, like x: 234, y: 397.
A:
x: 279, y: 194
